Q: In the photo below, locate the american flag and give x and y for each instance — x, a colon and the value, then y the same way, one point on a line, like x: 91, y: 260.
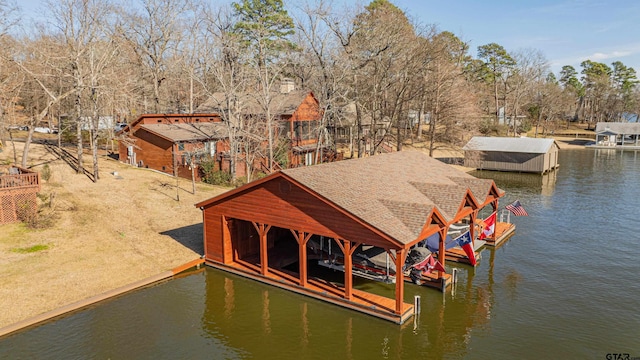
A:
x: 517, y: 209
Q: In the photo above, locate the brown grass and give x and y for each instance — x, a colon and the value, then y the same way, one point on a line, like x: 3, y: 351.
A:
x: 103, y: 235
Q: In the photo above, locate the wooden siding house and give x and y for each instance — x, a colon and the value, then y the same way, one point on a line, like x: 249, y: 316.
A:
x: 169, y: 142
x: 297, y: 119
x: 344, y: 129
x: 269, y: 230
x: 530, y: 155
x: 617, y: 134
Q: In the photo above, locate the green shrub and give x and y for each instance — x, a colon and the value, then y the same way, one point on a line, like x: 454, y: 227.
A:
x: 45, y: 173
x: 212, y: 176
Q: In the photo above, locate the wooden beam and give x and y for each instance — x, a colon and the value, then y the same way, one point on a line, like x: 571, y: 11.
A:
x: 263, y: 229
x: 226, y: 241
x: 441, y: 250
x: 302, y: 238
x: 400, y: 257
x: 472, y: 228
x: 348, y: 278
x: 494, y: 204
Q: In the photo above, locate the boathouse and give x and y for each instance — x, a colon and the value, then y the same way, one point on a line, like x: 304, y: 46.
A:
x: 618, y: 134
x: 530, y: 155
x: 272, y: 229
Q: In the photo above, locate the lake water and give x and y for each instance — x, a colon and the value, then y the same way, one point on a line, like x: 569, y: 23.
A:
x: 565, y: 286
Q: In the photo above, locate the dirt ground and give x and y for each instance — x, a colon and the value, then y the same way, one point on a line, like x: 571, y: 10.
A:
x: 102, y: 235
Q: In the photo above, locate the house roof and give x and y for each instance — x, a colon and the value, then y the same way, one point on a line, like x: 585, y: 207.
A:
x: 510, y: 144
x: 180, y: 132
x: 249, y: 103
x: 617, y: 128
x: 393, y: 192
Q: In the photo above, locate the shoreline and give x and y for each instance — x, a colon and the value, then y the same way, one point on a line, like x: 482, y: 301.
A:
x: 137, y: 231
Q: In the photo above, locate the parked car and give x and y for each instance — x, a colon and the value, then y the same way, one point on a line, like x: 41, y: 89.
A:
x: 44, y: 130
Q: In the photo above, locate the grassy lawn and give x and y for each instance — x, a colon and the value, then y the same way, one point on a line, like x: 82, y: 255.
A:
x: 93, y: 237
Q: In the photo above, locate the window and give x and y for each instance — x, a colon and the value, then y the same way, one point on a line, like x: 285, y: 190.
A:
x: 308, y: 159
x: 305, y: 130
x: 181, y: 147
x: 297, y: 130
x: 210, y: 148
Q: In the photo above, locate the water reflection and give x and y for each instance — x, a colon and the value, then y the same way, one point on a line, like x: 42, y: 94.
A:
x: 564, y: 285
x: 543, y: 184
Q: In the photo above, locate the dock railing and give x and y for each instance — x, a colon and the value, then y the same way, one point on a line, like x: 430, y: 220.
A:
x: 505, y: 216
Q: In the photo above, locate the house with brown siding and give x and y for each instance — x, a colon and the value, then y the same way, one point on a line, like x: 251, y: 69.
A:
x: 296, y: 113
x: 529, y: 155
x: 169, y: 142
x: 268, y: 230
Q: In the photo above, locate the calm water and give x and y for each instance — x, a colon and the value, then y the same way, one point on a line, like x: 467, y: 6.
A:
x: 564, y: 287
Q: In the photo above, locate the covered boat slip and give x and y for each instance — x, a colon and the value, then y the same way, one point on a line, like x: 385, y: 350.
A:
x: 270, y: 230
x: 618, y: 135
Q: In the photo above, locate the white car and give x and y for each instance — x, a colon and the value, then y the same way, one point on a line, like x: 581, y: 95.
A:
x: 44, y: 130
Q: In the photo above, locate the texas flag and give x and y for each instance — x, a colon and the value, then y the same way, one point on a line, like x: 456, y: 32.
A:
x: 465, y: 243
x: 489, y: 226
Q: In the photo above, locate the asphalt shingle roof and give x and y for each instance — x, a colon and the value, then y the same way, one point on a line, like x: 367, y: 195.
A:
x: 618, y: 127
x: 249, y: 104
x: 181, y: 132
x: 393, y: 192
x: 509, y: 144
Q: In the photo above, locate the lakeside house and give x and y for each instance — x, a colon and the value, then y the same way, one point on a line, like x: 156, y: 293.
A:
x: 172, y: 142
x: 277, y: 228
x: 531, y: 155
x: 296, y: 119
x: 167, y: 142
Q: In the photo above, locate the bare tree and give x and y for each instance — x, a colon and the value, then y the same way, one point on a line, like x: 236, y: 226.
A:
x: 531, y: 69
x: 451, y: 106
x: 223, y: 75
x: 154, y: 34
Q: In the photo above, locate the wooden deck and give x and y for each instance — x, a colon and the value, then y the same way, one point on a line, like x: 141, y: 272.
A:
x: 371, y: 304
x: 18, y: 189
x: 503, y: 232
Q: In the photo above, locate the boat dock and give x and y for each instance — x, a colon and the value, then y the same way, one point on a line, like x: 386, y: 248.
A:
x: 503, y: 231
x: 365, y: 302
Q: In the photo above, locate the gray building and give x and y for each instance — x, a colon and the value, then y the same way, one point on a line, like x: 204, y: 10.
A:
x: 617, y: 134
x: 511, y: 154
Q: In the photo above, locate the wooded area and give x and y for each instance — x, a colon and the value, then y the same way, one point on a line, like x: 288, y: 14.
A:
x: 89, y: 59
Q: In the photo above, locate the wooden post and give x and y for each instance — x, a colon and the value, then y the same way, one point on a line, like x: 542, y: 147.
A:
x: 302, y: 238
x: 227, y: 247
x: 347, y: 251
x: 263, y: 229
x: 441, y: 250
x: 400, y: 257
x: 348, y: 278
x: 472, y: 228
x: 494, y: 236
